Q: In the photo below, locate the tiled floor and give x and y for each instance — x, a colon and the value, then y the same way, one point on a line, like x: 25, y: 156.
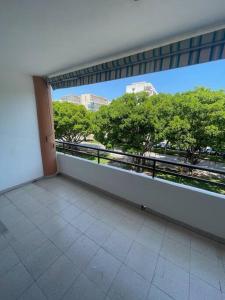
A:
x: 61, y: 240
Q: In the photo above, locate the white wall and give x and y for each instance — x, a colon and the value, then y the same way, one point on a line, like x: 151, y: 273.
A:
x: 20, y: 156
x: 197, y: 208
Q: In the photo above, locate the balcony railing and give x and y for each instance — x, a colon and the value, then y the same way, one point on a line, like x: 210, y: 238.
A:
x: 203, y: 177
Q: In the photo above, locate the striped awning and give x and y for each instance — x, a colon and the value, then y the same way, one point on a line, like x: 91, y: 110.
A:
x: 195, y: 50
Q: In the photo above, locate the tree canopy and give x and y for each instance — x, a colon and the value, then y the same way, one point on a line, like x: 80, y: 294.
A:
x: 189, y: 121
x: 196, y: 120
x: 72, y: 122
x: 128, y: 123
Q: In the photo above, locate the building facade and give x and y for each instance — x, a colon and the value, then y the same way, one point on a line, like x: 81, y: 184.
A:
x: 90, y: 101
x: 93, y: 102
x: 141, y: 87
x: 71, y: 98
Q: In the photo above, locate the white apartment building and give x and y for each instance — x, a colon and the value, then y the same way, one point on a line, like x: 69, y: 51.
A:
x: 140, y: 87
x: 71, y: 98
x: 90, y: 101
x: 93, y: 102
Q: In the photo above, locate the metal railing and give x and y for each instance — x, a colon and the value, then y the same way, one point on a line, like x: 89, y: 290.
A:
x: 157, y: 167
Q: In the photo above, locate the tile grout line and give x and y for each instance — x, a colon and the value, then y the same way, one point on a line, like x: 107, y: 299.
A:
x: 122, y: 264
x: 157, y: 260
x: 80, y: 271
x: 35, y: 280
x: 101, y: 247
x: 62, y: 253
x: 189, y: 273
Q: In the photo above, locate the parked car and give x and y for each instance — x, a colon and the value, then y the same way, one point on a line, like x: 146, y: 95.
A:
x: 162, y: 144
x: 208, y: 150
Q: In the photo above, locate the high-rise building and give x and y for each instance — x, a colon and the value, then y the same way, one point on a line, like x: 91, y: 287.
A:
x: 90, y: 101
x: 141, y: 87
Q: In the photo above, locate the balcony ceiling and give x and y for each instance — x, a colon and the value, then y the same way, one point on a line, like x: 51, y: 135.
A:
x: 47, y: 36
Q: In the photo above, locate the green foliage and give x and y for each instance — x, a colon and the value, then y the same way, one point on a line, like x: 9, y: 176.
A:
x: 134, y: 123
x: 72, y: 122
x: 128, y: 123
x: 197, y: 121
x: 189, y: 121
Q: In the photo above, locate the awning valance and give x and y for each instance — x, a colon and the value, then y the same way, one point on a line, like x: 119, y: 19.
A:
x: 195, y: 50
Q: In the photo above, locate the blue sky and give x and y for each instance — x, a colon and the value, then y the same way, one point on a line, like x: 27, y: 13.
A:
x: 211, y: 75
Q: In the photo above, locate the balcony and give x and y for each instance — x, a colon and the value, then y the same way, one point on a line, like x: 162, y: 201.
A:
x: 93, y: 231
x: 62, y: 239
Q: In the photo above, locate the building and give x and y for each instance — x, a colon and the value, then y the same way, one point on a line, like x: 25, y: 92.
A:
x: 90, y: 101
x: 93, y: 102
x: 71, y: 98
x: 62, y: 237
x: 141, y: 87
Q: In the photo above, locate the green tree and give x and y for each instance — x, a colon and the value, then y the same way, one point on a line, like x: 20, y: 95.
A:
x: 164, y: 110
x: 134, y: 123
x: 188, y: 121
x: 197, y: 121
x: 128, y: 123
x: 72, y: 122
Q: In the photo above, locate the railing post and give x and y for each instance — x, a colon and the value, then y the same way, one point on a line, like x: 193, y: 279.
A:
x: 98, y: 156
x: 143, y: 164
x: 153, y: 170
x: 63, y: 148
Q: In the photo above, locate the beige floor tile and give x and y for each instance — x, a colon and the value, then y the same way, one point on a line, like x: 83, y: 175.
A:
x: 171, y: 279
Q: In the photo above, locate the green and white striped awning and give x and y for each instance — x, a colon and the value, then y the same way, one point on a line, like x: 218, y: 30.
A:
x: 195, y: 50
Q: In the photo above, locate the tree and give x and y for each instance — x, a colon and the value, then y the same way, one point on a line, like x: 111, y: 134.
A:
x: 197, y: 121
x: 188, y: 121
x: 129, y: 123
x: 164, y: 110
x: 72, y: 122
x: 135, y: 123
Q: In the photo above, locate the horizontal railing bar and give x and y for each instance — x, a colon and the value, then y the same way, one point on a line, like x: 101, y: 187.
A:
x: 151, y: 168
x: 110, y: 159
x: 128, y: 163
x: 78, y: 151
x: 146, y: 158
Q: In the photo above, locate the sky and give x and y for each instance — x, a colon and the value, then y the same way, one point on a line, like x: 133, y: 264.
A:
x: 210, y: 75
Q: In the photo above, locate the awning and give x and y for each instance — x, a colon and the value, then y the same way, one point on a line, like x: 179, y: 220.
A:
x: 195, y: 50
